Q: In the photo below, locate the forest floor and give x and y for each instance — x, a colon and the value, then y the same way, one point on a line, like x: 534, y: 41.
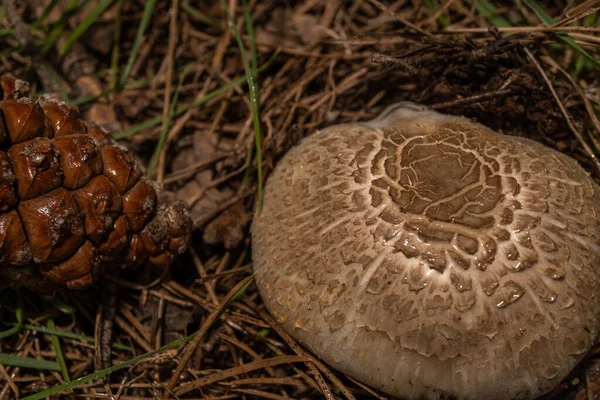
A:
x: 167, y: 78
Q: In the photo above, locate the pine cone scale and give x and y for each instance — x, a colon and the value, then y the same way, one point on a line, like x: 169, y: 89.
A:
x: 73, y: 202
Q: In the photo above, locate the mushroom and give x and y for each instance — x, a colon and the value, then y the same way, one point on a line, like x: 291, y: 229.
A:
x: 431, y: 257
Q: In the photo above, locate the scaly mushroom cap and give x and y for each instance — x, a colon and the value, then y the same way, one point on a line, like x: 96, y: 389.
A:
x: 72, y: 201
x: 431, y: 257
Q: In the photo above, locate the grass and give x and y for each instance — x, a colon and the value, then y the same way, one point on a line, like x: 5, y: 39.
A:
x: 70, y: 335
x: 28, y: 362
x: 149, y: 123
x: 85, y: 24
x: 130, y: 30
x: 107, y: 371
x: 251, y: 78
x: 60, y: 357
x: 116, y: 50
x: 442, y: 19
x: 234, y: 294
x: 18, y: 316
x: 139, y: 37
x: 73, y: 7
x: 562, y: 36
x: 45, y: 14
x: 164, y: 132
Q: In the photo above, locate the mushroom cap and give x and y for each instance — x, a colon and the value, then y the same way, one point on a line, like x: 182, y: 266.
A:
x: 431, y: 257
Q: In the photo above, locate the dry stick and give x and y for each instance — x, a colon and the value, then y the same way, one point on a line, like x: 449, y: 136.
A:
x: 590, y: 383
x: 386, y: 10
x: 261, y: 393
x: 168, y: 84
x: 173, y: 132
x: 393, y: 61
x: 22, y: 348
x: 436, y: 15
x: 104, y: 326
x: 525, y: 29
x: 244, y: 347
x: 175, y: 287
x: 26, y: 40
x: 204, y: 218
x: 228, y: 373
x: 344, y: 85
x: 577, y: 16
x: 174, y: 300
x: 577, y: 134
x: 195, y: 342
x: 105, y: 396
x: 308, y: 381
x: 472, y: 99
x: 202, y: 272
x: 577, y: 8
x: 131, y: 285
x: 264, y: 381
x: 583, y: 38
x: 588, y: 105
x: 314, y: 363
x: 215, y: 182
x: 125, y: 311
x: 125, y: 384
x: 11, y: 383
x: 367, y: 389
x: 137, y: 338
x: 226, y: 273
x: 160, y: 323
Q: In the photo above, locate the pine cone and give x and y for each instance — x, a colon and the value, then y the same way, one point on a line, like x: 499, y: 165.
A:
x: 74, y: 203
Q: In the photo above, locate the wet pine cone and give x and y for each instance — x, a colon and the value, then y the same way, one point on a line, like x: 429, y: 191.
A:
x: 74, y: 203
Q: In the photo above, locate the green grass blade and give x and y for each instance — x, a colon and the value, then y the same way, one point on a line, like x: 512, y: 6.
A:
x: 44, y: 15
x: 582, y: 63
x: 57, y: 29
x: 60, y: 357
x: 250, y: 30
x: 546, y: 19
x: 61, y: 304
x: 442, y: 18
x: 237, y: 295
x: 71, y: 335
x: 149, y: 123
x: 165, y: 130
x: 139, y: 37
x: 485, y: 8
x: 107, y: 371
x: 4, y: 31
x: 85, y: 24
x: 116, y: 50
x: 18, y: 316
x: 81, y: 101
x: 253, y: 90
x: 200, y: 17
x: 28, y: 362
x: 563, y: 36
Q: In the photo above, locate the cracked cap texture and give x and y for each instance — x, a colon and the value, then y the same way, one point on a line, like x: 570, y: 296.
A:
x: 431, y: 257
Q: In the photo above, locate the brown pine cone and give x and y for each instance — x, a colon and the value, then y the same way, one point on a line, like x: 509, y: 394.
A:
x: 74, y: 203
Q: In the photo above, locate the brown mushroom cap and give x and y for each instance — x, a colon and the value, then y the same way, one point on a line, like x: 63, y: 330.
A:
x: 431, y: 257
